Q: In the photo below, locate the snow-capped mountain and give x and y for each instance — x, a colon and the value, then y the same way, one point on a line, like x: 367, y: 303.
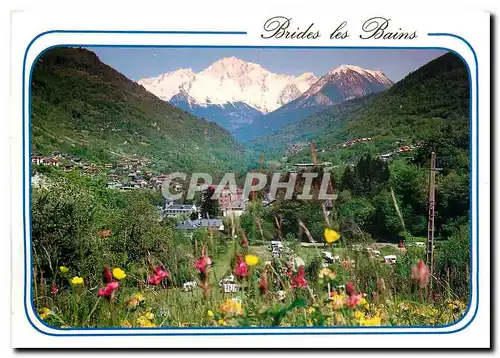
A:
x: 231, y: 80
x: 231, y: 116
x: 339, y: 84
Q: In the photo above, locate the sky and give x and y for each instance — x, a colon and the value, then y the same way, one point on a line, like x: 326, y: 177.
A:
x: 137, y: 63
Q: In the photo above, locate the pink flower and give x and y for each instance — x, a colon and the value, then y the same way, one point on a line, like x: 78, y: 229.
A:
x: 241, y: 269
x: 203, y: 264
x: 353, y: 301
x: 421, y: 273
x: 300, y: 279
x: 110, y: 288
x: 158, y: 276
x: 54, y: 290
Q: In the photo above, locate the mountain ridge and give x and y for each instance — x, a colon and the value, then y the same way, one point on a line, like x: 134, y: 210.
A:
x: 92, y: 107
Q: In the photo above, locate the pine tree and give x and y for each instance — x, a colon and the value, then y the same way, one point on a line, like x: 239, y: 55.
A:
x: 208, y: 205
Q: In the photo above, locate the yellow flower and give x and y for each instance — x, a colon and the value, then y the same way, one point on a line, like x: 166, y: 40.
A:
x: 375, y: 321
x: 337, y: 301
x: 251, y: 260
x: 331, y: 235
x: 231, y: 307
x: 118, y: 273
x: 45, y: 312
x: 139, y: 297
x: 64, y: 269
x: 77, y: 280
x: 326, y: 272
x: 132, y: 303
x: 221, y: 322
x: 145, y: 320
x: 210, y: 314
x: 359, y: 315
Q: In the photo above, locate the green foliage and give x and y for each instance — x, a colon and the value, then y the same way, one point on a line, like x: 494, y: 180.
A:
x: 209, y: 207
x: 453, y: 259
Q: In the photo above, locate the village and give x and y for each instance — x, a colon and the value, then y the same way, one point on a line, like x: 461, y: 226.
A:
x: 133, y: 174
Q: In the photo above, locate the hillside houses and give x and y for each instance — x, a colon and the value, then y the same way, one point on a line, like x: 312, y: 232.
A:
x: 172, y: 210
x: 354, y: 141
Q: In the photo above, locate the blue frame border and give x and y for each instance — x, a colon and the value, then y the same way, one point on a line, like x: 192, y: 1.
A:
x: 27, y: 243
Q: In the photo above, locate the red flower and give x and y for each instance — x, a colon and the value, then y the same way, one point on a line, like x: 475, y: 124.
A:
x: 350, y: 289
x: 421, y: 273
x: 110, y: 288
x: 300, y: 279
x: 158, y: 276
x: 54, y: 290
x: 263, y: 283
x: 203, y: 264
x: 244, y: 242
x: 241, y: 269
x: 107, y: 276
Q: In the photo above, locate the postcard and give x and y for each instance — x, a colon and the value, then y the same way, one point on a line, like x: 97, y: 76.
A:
x: 288, y: 179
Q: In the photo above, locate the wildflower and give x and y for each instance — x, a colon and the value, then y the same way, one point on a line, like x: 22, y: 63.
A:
x: 331, y: 235
x: 300, y: 280
x: 135, y: 301
x: 144, y: 321
x: 77, y: 280
x: 244, y: 242
x: 232, y: 307
x: 375, y: 321
x: 358, y: 315
x: 119, y: 274
x: 241, y: 269
x: 107, y: 276
x: 337, y: 301
x: 353, y: 300
x: 45, y: 312
x: 150, y: 316
x: 126, y: 324
x: 158, y: 276
x: 203, y: 264
x: 263, y: 283
x: 110, y: 288
x: 421, y: 273
x: 64, y: 269
x: 54, y: 290
x: 221, y: 322
x: 349, y: 288
x: 326, y: 272
x: 105, y: 233
x: 251, y: 260
x: 210, y: 314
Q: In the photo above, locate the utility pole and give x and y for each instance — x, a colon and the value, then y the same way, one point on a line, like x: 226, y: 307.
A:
x: 432, y: 206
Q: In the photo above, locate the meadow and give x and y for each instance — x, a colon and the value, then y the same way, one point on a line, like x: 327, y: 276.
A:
x: 103, y: 259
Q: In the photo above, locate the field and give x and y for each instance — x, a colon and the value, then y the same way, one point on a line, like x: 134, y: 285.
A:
x: 358, y: 290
